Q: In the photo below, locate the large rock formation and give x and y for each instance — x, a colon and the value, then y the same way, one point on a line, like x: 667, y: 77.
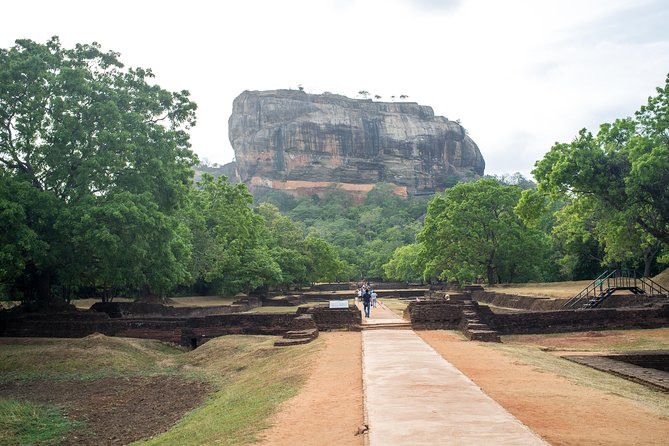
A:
x: 303, y: 143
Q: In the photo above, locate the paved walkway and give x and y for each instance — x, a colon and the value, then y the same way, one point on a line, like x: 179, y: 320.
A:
x: 380, y: 315
x: 414, y: 397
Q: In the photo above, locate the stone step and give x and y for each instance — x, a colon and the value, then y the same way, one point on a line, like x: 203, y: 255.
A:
x: 301, y: 334
x: 477, y: 326
x: 387, y: 326
x: 288, y: 342
x: 483, y: 335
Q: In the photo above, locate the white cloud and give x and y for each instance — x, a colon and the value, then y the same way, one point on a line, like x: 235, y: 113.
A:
x: 520, y: 74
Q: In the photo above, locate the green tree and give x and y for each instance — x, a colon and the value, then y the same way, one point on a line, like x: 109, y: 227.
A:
x: 623, y: 170
x: 230, y: 240
x: 85, y: 143
x: 406, y: 264
x: 472, y: 231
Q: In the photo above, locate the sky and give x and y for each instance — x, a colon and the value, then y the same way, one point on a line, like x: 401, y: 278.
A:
x: 520, y: 75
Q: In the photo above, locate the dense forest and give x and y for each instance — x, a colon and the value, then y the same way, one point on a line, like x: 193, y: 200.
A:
x: 98, y: 197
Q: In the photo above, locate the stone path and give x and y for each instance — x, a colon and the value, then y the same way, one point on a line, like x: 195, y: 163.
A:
x: 415, y: 397
x: 382, y: 316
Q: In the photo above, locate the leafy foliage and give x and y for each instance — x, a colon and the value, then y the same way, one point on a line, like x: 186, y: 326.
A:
x: 471, y: 231
x: 618, y: 179
x: 364, y: 236
x: 94, y: 161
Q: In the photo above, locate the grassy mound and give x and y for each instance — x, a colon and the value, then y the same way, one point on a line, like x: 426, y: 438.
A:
x: 93, y: 357
x: 249, y: 377
x: 253, y: 377
x: 663, y: 278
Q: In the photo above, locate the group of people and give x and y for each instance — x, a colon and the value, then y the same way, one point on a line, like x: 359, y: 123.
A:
x: 367, y: 296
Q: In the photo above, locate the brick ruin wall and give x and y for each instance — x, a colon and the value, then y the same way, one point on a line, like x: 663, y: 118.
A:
x: 534, y: 303
x: 446, y: 314
x: 433, y: 315
x: 177, y: 330
x: 149, y: 310
x: 335, y: 318
x: 580, y: 320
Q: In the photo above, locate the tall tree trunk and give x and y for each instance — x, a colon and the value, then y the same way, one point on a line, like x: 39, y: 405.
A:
x: 43, y: 286
x: 490, y: 272
x: 649, y: 255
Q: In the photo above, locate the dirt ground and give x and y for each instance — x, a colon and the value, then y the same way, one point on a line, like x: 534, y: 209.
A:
x: 562, y: 412
x: 329, y: 409
x: 115, y: 411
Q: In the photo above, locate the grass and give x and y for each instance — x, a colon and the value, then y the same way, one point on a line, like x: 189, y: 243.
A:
x: 189, y: 301
x: 557, y: 290
x: 527, y: 349
x: 201, y: 301
x: 92, y: 357
x: 617, y: 341
x: 291, y: 309
x: 397, y: 306
x: 252, y: 378
x: 26, y: 423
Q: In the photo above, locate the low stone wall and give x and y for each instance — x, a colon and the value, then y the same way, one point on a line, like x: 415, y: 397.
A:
x: 534, y: 303
x: 148, y: 310
x: 580, y: 320
x: 518, y: 302
x: 433, y: 315
x: 81, y: 324
x: 169, y: 329
x: 445, y: 314
x: 196, y: 331
x: 333, y: 286
x: 335, y: 318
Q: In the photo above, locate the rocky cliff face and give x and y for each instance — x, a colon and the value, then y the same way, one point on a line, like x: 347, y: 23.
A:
x: 301, y: 143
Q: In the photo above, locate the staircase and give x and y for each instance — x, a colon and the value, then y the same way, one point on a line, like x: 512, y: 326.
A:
x: 611, y: 281
x: 390, y: 325
x: 473, y: 327
x: 302, y: 331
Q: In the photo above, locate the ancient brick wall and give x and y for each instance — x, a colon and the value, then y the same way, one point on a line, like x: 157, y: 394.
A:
x: 580, y: 320
x: 336, y: 318
x: 149, y: 310
x: 433, y: 314
x: 84, y: 323
x: 534, y: 303
x: 519, y: 302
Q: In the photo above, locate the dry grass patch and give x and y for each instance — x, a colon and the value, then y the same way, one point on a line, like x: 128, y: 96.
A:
x: 557, y: 290
x: 397, y: 306
x: 252, y: 377
x: 653, y: 400
x: 93, y: 357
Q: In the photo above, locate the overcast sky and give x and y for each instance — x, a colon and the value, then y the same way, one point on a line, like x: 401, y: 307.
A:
x: 519, y: 74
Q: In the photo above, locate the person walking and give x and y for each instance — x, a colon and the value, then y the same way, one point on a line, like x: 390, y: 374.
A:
x: 374, y: 295
x: 366, y: 302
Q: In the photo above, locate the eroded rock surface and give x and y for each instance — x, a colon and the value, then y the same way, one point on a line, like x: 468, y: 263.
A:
x: 301, y: 143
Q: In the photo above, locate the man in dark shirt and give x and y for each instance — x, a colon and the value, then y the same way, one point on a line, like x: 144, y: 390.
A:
x: 366, y: 301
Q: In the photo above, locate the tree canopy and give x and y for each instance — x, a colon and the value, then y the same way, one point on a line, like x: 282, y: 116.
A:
x: 94, y: 161
x: 620, y: 179
x: 471, y: 231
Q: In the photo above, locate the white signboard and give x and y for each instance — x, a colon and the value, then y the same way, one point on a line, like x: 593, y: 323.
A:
x: 338, y: 304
